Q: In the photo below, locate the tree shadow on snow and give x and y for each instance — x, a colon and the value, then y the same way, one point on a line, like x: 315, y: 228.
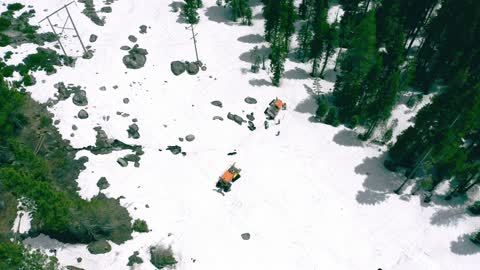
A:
x: 463, y: 246
x: 330, y: 75
x: 252, y: 38
x: 379, y: 182
x: 247, y: 56
x: 219, y: 15
x: 347, y: 137
x: 448, y: 217
x: 259, y: 82
x: 296, y: 74
x: 292, y: 57
x: 308, y: 105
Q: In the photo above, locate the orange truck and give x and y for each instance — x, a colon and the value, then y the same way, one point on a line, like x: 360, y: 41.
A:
x: 274, y: 108
x: 228, y: 177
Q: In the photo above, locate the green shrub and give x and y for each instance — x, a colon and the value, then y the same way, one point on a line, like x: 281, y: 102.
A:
x: 134, y: 259
x: 388, y: 135
x: 322, y: 109
x: 140, y: 225
x: 162, y: 257
x: 5, y: 23
x: 354, y: 121
x: 476, y: 238
x: 4, y: 40
x: 15, y: 6
x: 7, y: 55
x: 332, y: 117
x: 475, y: 208
x: 8, y: 71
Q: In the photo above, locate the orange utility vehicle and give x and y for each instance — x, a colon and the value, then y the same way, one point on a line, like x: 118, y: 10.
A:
x: 274, y: 108
x: 229, y: 176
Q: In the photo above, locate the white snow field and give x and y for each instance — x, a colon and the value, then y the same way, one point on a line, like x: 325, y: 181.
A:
x: 313, y: 197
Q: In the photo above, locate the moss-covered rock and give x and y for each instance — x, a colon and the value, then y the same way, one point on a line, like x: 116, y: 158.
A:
x: 99, y: 247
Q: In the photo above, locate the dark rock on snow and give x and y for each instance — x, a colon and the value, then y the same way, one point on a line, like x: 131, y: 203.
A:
x: 236, y: 118
x: 93, y: 38
x: 143, y: 29
x: 192, y: 68
x: 177, y: 67
x: 218, y: 118
x: 250, y: 100
x: 103, y: 183
x: 132, y: 38
x: 245, y: 236
x: 175, y: 149
x: 122, y: 162
x: 80, y: 98
x: 217, y: 103
x: 190, y: 138
x: 133, y: 131
x: 82, y: 114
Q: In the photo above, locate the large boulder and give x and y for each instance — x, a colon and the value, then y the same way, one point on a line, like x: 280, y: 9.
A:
x: 177, y: 67
x: 143, y: 29
x: 190, y: 138
x: 245, y: 236
x: 192, y: 68
x: 99, y: 247
x: 217, y: 103
x: 132, y: 38
x: 80, y: 98
x: 122, y: 162
x: 136, y: 58
x: 250, y: 100
x: 82, y: 114
x: 103, y: 183
x: 236, y: 118
x: 133, y: 131
x: 93, y: 38
x: 175, y: 149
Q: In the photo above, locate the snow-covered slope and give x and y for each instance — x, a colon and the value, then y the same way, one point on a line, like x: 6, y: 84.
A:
x: 313, y: 197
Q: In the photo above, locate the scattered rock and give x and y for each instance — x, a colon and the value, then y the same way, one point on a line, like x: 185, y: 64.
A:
x: 134, y: 120
x: 103, y: 88
x: 251, y: 126
x: 56, y: 122
x: 79, y: 259
x: 106, y: 9
x: 190, y: 138
x: 126, y: 100
x: 88, y: 55
x: 175, y: 149
x: 99, y: 247
x: 132, y: 158
x: 250, y: 100
x: 250, y: 117
x: 80, y: 98
x: 136, y: 58
x: 143, y: 29
x: 74, y: 127
x: 103, y: 183
x: 218, y: 118
x: 93, y: 38
x: 180, y: 139
x: 122, y: 162
x: 115, y: 87
x: 236, y: 118
x: 133, y: 131
x: 245, y: 236
x: 132, y: 38
x: 217, y: 103
x: 82, y: 114
x: 192, y: 68
x: 125, y: 48
x: 177, y: 67
x: 265, y: 124
x: 232, y: 153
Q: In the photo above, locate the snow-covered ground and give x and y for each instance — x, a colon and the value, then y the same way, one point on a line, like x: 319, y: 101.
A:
x: 313, y: 197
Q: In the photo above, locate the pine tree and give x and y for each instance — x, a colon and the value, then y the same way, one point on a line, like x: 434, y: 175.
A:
x: 288, y: 17
x: 189, y: 11
x: 349, y: 22
x: 355, y: 65
x: 271, y: 13
x: 450, y: 44
x: 320, y: 29
x: 277, y: 57
x: 304, y: 40
x: 241, y: 9
x: 331, y: 40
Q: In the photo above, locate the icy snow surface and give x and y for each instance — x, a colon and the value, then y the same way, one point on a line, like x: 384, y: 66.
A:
x: 313, y: 197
